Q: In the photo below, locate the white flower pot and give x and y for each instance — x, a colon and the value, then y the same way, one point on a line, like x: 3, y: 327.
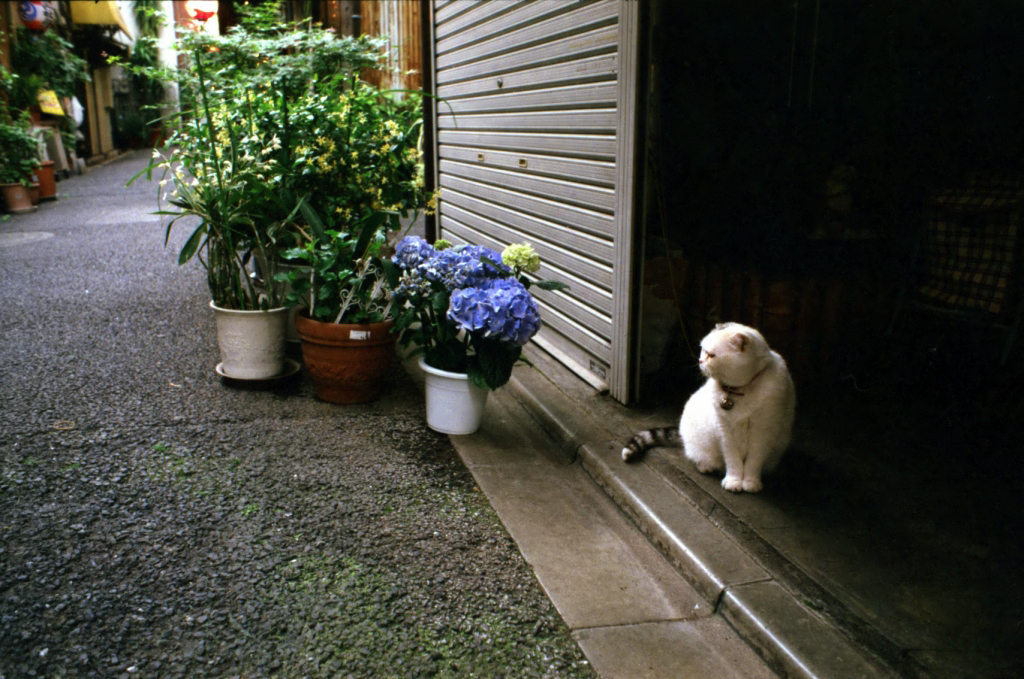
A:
x: 454, y: 404
x: 251, y: 343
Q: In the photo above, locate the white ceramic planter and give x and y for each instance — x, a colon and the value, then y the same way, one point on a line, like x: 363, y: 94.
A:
x: 251, y: 342
x: 454, y: 404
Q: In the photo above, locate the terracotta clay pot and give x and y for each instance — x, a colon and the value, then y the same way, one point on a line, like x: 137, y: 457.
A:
x: 47, y: 181
x: 346, y: 361
x: 33, y: 193
x: 17, y: 199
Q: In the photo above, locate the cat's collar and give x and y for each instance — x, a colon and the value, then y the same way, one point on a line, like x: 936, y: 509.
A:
x: 727, y: 403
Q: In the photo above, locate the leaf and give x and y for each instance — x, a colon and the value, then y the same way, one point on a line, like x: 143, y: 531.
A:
x: 491, y: 263
x: 326, y: 292
x: 476, y: 376
x: 391, y: 272
x: 370, y: 225
x: 192, y: 244
x: 403, y: 321
x: 495, y: 360
x: 313, y: 218
x: 148, y: 171
x: 439, y: 301
x: 297, y: 253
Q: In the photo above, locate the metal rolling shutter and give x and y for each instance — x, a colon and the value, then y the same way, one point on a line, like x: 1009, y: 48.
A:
x: 534, y: 143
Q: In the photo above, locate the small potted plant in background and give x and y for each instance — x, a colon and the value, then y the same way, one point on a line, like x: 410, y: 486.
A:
x: 46, y: 61
x: 468, y: 312
x: 19, y: 152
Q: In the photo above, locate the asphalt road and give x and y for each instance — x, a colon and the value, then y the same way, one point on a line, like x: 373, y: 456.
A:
x: 155, y: 522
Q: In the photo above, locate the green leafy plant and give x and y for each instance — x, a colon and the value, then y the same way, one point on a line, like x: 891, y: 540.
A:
x: 346, y: 276
x: 45, y: 60
x: 224, y: 185
x: 355, y: 151
x: 148, y: 76
x: 145, y: 58
x: 131, y: 129
x: 19, y: 149
x: 282, y: 151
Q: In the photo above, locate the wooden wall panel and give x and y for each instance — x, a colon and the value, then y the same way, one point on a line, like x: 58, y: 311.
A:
x: 400, y: 22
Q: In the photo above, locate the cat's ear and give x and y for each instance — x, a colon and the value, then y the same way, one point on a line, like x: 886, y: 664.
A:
x: 739, y: 341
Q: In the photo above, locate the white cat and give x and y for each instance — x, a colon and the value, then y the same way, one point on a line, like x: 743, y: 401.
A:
x: 740, y: 419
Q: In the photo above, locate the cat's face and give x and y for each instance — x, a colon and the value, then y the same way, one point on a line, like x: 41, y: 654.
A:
x: 732, y: 354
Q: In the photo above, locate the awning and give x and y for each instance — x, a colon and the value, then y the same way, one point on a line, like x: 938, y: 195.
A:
x: 103, y: 12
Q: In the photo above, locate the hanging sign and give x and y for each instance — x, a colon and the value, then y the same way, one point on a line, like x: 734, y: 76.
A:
x: 48, y: 103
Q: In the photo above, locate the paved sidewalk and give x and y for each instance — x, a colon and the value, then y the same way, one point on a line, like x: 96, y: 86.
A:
x: 633, y: 614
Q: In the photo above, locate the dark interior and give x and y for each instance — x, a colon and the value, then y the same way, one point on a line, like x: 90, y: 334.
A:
x: 793, y: 149
x: 766, y: 107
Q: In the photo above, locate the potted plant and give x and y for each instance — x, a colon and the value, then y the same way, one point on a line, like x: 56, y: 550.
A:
x: 19, y: 152
x: 19, y: 158
x: 468, y: 312
x: 347, y: 344
x: 335, y: 161
x: 213, y: 179
x: 355, y: 161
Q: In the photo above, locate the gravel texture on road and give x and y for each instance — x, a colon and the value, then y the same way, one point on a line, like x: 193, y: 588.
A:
x: 155, y: 522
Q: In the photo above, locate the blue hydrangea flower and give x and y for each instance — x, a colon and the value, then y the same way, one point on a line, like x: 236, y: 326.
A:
x: 411, y: 252
x: 498, y: 308
x: 459, y: 267
x: 474, y: 254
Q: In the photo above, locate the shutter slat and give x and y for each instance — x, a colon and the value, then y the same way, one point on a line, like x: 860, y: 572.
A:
x: 589, y: 95
x: 587, y: 221
x: 578, y: 72
x: 568, y: 169
x: 573, y: 193
x: 498, y: 40
x: 590, y: 44
x: 596, y: 147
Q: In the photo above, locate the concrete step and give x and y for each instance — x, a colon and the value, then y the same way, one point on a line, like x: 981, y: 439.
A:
x: 794, y: 625
x: 632, y: 613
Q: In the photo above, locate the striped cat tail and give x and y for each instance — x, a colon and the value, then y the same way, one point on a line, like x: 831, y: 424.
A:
x: 651, y: 438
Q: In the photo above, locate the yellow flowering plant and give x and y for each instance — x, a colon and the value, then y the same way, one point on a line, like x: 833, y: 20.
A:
x: 282, y: 152
x: 357, y: 152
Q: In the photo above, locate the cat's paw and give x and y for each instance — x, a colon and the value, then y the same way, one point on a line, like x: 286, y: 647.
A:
x: 752, y: 485
x: 733, y: 484
x: 628, y: 454
x: 705, y: 467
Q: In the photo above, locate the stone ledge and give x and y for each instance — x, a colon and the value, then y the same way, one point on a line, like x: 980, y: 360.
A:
x: 679, y: 523
x: 793, y: 640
